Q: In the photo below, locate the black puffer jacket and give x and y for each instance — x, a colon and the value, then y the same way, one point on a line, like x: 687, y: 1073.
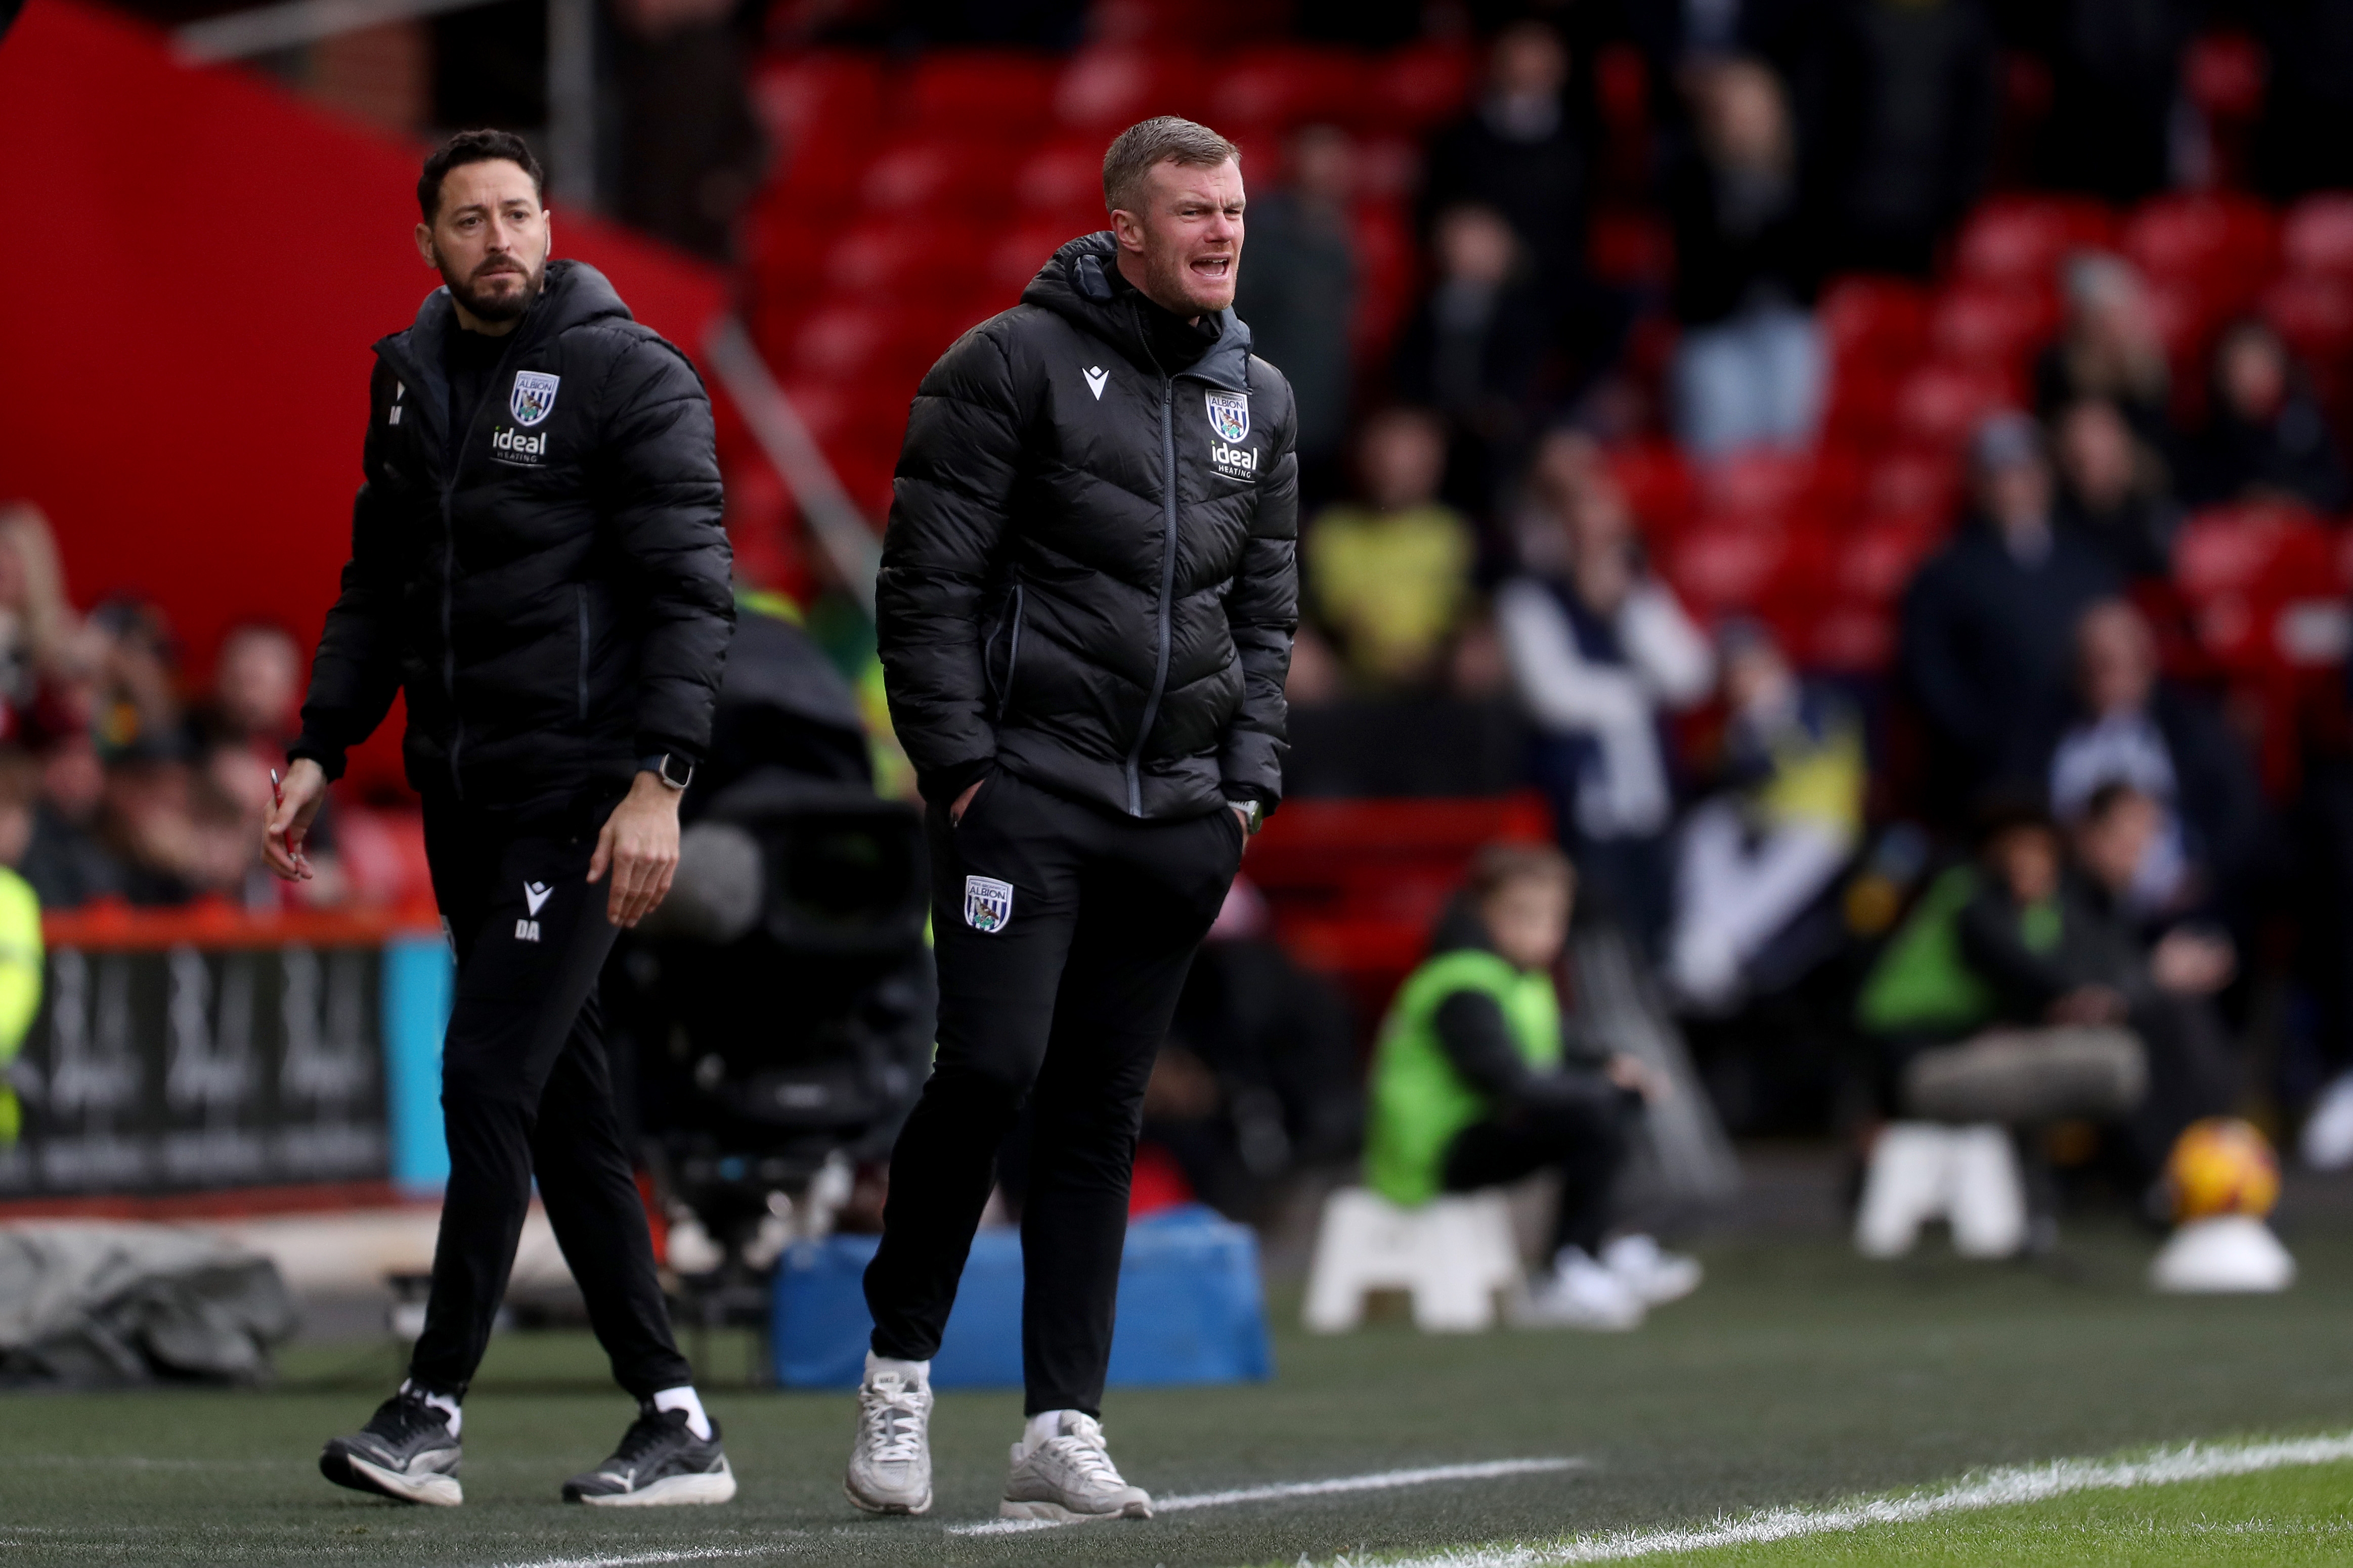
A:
x: 1088, y: 577
x: 558, y: 606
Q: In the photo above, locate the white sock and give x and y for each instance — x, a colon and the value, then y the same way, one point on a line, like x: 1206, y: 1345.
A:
x: 440, y: 1402
x: 684, y: 1397
x: 1044, y: 1425
x: 918, y: 1373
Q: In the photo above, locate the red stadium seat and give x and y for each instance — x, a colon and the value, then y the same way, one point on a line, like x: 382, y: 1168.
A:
x: 1386, y: 270
x: 931, y: 171
x: 1876, y: 562
x: 1109, y: 87
x: 825, y: 97
x: 2317, y: 237
x: 2226, y: 246
x: 2019, y: 241
x: 1284, y: 85
x: 1988, y: 324
x: 1018, y: 255
x: 1657, y: 482
x: 1940, y: 405
x: 2314, y: 313
x: 1421, y: 85
x: 1880, y: 319
x: 1061, y: 177
x: 997, y: 91
x: 1903, y: 486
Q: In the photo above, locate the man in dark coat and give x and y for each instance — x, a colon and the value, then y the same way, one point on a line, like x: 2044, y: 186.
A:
x: 538, y: 567
x: 1085, y: 613
x: 1986, y: 641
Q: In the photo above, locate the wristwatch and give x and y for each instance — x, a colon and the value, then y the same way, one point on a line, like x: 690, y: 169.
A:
x: 1253, y: 815
x: 662, y: 766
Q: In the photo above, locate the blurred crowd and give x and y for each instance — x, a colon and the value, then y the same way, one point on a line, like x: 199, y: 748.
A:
x: 123, y: 779
x: 1754, y: 818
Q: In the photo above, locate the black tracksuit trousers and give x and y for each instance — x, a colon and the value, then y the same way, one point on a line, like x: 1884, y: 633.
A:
x: 526, y: 1091
x: 1062, y: 996
x: 1585, y: 1132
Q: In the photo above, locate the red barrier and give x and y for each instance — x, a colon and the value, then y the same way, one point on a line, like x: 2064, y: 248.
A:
x: 183, y: 358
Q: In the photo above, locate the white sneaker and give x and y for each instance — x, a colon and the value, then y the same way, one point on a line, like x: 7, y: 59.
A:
x: 2328, y: 1141
x: 890, y: 1462
x: 1069, y: 1476
x: 1653, y: 1274
x: 1580, y: 1294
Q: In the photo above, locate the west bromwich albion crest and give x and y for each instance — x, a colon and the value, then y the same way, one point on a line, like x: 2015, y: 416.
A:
x: 1228, y: 413
x: 534, y: 396
x: 987, y: 904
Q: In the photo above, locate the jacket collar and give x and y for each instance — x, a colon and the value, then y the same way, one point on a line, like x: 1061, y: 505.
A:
x: 574, y: 293
x: 1076, y: 286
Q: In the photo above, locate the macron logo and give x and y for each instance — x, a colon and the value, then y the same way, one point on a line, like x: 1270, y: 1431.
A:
x: 1096, y: 376
x: 535, y: 895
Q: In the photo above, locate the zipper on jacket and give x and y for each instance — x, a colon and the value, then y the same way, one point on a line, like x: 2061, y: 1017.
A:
x: 580, y: 597
x: 1168, y: 587
x: 449, y: 635
x: 1012, y: 655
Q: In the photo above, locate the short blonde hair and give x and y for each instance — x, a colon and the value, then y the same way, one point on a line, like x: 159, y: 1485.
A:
x: 1135, y: 151
x: 1498, y: 865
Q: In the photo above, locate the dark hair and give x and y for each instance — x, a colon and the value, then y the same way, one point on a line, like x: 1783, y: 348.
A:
x: 474, y: 147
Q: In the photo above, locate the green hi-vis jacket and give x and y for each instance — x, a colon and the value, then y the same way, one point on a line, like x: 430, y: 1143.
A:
x: 1923, y: 983
x: 1420, y: 1101
x: 20, y: 984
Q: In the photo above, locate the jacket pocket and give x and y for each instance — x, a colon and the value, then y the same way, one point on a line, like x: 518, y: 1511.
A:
x: 1003, y: 688
x: 580, y: 684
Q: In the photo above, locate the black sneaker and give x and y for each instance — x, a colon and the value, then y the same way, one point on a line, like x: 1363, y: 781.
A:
x: 659, y: 1462
x: 407, y: 1452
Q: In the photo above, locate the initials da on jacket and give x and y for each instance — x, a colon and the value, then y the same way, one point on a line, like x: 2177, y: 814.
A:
x: 549, y: 586
x: 1088, y: 577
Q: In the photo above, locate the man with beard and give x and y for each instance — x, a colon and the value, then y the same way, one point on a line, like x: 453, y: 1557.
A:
x: 538, y: 565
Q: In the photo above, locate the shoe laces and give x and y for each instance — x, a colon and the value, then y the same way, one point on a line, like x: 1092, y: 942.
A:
x: 647, y: 1433
x: 1080, y: 1446
x: 894, y: 1419
x: 407, y: 1415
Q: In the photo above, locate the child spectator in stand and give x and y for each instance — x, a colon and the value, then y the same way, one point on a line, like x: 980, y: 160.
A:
x: 1598, y: 649
x: 1389, y: 580
x: 1748, y: 370
x: 1754, y: 856
x: 2111, y: 490
x: 1476, y: 1083
x: 2109, y: 348
x: 2266, y: 436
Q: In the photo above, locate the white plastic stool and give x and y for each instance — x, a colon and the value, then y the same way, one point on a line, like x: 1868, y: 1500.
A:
x: 1454, y: 1253
x: 1922, y: 1170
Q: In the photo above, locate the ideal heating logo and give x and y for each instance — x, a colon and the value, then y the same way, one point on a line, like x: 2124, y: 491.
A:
x: 512, y: 446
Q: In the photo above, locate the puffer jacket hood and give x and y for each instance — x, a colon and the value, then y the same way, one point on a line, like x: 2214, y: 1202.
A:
x: 1089, y: 578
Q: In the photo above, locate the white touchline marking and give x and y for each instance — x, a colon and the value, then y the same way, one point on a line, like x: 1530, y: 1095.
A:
x: 1983, y: 1489
x: 1382, y: 1482
x: 687, y: 1554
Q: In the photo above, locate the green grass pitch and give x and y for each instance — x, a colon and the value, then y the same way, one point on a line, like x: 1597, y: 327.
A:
x: 1798, y: 1377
